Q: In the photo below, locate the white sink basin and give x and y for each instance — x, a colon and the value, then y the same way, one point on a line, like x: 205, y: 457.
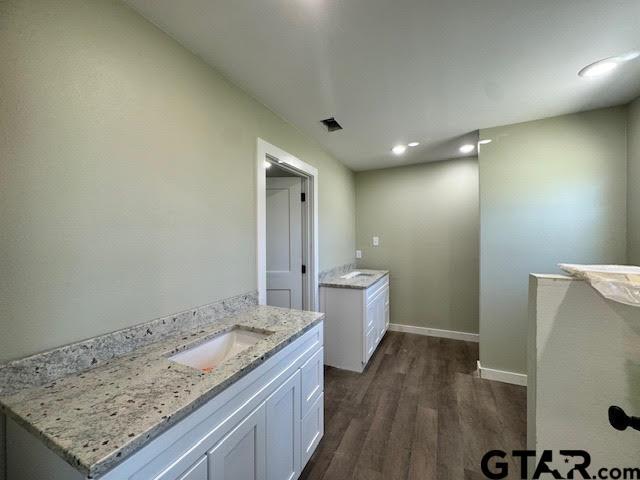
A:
x: 212, y: 353
x: 356, y: 274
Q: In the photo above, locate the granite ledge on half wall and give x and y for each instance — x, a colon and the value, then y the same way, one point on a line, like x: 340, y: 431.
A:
x: 42, y: 368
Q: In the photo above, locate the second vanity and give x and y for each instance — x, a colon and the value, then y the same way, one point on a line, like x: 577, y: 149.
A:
x: 356, y: 305
x: 171, y: 411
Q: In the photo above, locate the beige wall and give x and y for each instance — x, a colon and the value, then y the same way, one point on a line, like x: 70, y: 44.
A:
x: 551, y: 191
x: 127, y: 176
x: 633, y: 183
x: 427, y: 219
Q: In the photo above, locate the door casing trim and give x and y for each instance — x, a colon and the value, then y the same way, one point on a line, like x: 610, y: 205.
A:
x: 266, y: 151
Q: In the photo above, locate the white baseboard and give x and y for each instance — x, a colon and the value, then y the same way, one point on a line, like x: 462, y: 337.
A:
x: 502, y: 375
x: 435, y: 332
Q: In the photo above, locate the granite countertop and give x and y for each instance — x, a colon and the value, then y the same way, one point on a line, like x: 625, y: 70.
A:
x: 96, y: 418
x: 361, y: 281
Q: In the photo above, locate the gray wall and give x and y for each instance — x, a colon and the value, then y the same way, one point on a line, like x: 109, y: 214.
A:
x: 427, y: 219
x: 633, y: 183
x: 551, y: 191
x: 127, y: 184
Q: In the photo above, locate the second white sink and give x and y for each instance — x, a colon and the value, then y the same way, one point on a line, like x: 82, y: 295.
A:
x: 212, y: 353
x: 356, y: 274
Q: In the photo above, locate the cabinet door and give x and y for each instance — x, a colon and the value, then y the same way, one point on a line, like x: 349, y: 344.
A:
x: 370, y: 342
x: 241, y: 455
x: 375, y: 305
x: 197, y: 471
x: 370, y: 314
x: 386, y: 295
x: 380, y: 315
x: 386, y: 309
x: 283, y: 431
x: 369, y: 326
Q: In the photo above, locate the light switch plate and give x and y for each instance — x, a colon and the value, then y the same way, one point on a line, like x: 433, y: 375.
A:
x: 358, y: 253
x: 376, y: 241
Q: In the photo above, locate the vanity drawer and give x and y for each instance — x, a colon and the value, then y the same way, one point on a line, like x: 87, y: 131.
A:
x: 312, y: 381
x: 377, y: 288
x: 312, y: 429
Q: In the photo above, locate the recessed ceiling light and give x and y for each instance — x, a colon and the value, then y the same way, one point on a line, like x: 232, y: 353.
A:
x: 468, y: 148
x: 267, y: 164
x: 399, y: 149
x: 485, y: 141
x: 414, y: 144
x: 607, y: 65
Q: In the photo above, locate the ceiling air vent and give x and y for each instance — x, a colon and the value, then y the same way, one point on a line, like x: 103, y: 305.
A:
x: 331, y: 124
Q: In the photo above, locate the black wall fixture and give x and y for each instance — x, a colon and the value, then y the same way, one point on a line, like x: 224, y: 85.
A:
x: 621, y: 421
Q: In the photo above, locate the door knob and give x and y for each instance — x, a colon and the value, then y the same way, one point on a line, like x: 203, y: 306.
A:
x: 620, y: 420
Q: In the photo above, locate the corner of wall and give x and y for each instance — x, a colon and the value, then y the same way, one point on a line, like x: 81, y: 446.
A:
x: 633, y: 182
x: 515, y: 214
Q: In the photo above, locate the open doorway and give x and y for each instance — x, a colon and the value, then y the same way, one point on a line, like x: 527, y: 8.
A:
x: 285, y: 210
x: 287, y: 229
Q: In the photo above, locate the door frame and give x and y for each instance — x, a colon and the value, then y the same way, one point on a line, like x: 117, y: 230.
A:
x: 309, y: 174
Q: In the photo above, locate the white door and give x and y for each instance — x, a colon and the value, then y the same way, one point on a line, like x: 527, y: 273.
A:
x: 241, y: 455
x: 284, y: 242
x: 283, y: 431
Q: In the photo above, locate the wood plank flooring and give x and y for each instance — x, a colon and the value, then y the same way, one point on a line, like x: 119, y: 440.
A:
x: 418, y: 412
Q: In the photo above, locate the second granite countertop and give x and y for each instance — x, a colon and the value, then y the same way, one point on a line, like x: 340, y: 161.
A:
x: 95, y: 419
x: 359, y: 282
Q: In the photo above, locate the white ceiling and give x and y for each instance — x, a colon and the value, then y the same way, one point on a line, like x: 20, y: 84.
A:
x: 394, y: 71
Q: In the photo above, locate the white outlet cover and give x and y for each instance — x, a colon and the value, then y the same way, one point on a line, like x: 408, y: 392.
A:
x: 376, y: 241
x: 358, y: 253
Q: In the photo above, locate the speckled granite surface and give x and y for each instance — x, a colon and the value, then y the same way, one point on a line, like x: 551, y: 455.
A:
x: 46, y: 367
x: 361, y: 281
x: 96, y: 418
x: 336, y: 271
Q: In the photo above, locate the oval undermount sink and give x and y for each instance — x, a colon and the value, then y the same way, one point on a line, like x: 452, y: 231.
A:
x: 356, y: 274
x: 208, y: 355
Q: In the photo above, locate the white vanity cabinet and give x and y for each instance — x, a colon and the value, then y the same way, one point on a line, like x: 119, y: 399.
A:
x: 283, y: 427
x: 264, y: 426
x: 356, y: 320
x: 197, y: 471
x: 241, y: 454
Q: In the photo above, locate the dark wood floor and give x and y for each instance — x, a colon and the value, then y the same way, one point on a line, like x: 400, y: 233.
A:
x: 417, y: 412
